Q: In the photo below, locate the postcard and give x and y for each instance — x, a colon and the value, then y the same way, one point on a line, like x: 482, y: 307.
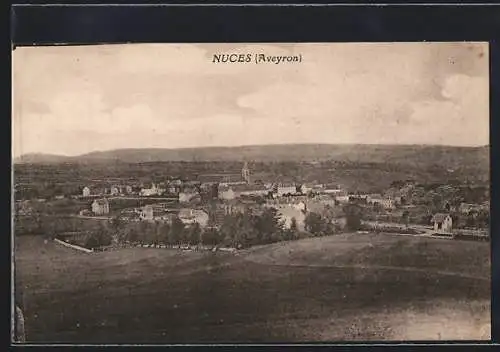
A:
x: 251, y: 193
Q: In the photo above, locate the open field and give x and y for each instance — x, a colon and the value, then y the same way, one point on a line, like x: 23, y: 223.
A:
x: 346, y: 287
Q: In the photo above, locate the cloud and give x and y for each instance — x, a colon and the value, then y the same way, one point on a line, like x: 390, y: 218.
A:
x: 460, y: 120
x: 173, y: 95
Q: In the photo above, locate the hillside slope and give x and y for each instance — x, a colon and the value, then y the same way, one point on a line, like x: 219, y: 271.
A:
x: 445, y: 156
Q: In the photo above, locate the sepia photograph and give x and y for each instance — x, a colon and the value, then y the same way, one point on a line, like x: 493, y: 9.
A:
x: 251, y: 193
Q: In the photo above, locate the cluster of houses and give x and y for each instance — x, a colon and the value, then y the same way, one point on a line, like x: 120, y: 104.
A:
x: 99, y: 207
x: 239, y: 194
x: 114, y: 190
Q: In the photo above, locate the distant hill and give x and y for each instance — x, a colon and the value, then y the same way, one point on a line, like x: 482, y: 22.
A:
x: 39, y: 158
x: 415, y: 155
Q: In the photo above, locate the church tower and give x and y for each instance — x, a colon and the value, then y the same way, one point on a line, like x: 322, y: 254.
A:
x: 245, y: 173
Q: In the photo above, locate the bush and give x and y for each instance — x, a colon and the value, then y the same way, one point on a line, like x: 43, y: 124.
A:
x: 353, y: 217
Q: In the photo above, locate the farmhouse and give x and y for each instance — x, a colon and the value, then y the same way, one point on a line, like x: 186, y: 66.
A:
x: 187, y: 196
x: 191, y: 216
x: 387, y: 203
x: 120, y: 189
x: 358, y: 198
x: 100, y: 206
x: 249, y: 190
x: 284, y: 189
x: 174, y: 186
x: 235, y: 191
x: 331, y: 189
x: 115, y: 190
x: 153, y: 191
x: 304, y: 189
x: 85, y: 212
x: 325, y: 199
x: 442, y: 223
x: 226, y: 193
x: 316, y: 188
x: 153, y: 212
x: 86, y: 192
x: 342, y: 197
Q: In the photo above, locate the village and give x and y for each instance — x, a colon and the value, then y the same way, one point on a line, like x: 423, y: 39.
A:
x: 404, y: 208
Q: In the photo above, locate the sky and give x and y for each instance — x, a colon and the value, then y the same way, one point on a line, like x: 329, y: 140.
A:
x: 71, y: 100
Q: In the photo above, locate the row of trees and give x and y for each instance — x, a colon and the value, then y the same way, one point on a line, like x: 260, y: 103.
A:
x: 325, y: 224
x: 239, y: 230
x: 236, y: 230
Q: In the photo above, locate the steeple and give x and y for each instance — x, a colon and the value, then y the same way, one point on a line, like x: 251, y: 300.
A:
x: 245, y: 173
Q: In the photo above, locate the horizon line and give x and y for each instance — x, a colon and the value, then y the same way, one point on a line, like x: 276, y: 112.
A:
x: 252, y: 145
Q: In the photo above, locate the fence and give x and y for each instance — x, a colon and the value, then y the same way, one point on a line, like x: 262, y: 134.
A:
x: 471, y: 235
x: 66, y: 244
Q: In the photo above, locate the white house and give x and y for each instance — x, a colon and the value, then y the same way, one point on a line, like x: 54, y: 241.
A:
x: 442, y: 223
x: 286, y: 189
x: 332, y: 189
x: 192, y: 216
x: 153, y: 191
x: 147, y: 213
x: 186, y: 196
x: 115, y: 190
x: 226, y: 193
x: 100, y: 206
x: 252, y: 190
x: 304, y: 189
x: 342, y: 198
x: 153, y: 212
x: 86, y: 191
x: 387, y: 203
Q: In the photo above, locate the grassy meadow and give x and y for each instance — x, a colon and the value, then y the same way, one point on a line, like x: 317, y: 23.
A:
x: 337, y: 288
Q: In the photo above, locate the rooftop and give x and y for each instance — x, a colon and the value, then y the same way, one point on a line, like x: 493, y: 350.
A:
x: 439, y: 217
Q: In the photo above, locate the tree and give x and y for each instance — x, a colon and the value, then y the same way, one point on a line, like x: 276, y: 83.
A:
x: 405, y: 218
x: 100, y: 237
x: 117, y: 227
x: 377, y: 207
x: 471, y: 219
x: 268, y: 226
x: 228, y: 230
x: 131, y: 233
x: 211, y: 237
x: 353, y: 217
x: 247, y: 230
x: 447, y: 207
x: 292, y: 232
x: 426, y: 219
x: 162, y: 232
x: 314, y: 223
x: 176, y: 231
x: 483, y: 219
x: 194, y: 236
x: 293, y: 225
